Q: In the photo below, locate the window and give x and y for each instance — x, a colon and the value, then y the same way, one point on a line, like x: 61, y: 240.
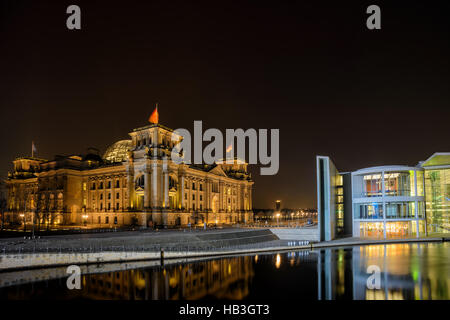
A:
x: 372, y: 185
x: 84, y: 186
x: 193, y: 206
x: 193, y: 185
x: 109, y: 206
x: 419, y: 175
x: 201, y: 197
x: 399, y: 183
x: 106, y: 219
x: 371, y: 211
x: 101, y: 185
x: 101, y: 205
x: 140, y: 181
x: 99, y: 220
x: 193, y: 197
x: 201, y: 186
x: 109, y: 196
x: 118, y: 184
x: 115, y: 220
x: 117, y: 195
x: 201, y: 207
x: 101, y: 196
x: 109, y: 184
x: 117, y: 206
x: 93, y: 186
x: 400, y: 210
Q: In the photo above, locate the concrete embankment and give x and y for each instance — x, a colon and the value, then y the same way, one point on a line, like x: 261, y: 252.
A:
x: 138, y: 241
x: 132, y: 247
x: 64, y: 250
x: 363, y: 242
x: 308, y: 233
x: 40, y: 260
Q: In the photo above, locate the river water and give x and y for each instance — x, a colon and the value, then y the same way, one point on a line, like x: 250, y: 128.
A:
x: 396, y: 271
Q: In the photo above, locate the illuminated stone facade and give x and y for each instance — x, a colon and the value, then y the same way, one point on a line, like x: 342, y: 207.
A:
x: 134, y: 183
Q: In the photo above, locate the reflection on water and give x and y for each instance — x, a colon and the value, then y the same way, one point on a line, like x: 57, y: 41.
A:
x: 408, y: 271
x: 222, y: 279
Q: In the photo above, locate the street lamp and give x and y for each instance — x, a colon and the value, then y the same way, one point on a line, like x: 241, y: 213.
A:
x: 23, y: 218
x: 85, y: 217
x: 278, y: 216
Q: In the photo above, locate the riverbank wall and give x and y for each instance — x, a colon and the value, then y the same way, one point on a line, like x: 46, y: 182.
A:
x: 207, y: 245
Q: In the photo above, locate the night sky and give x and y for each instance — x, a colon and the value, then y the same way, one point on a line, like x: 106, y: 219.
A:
x: 310, y: 68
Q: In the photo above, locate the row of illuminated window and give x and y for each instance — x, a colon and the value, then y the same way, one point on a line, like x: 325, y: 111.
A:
x: 214, y: 188
x: 100, y: 186
x: 194, y: 186
x: 394, y: 210
x: 395, y: 184
x: 107, y: 207
x: 106, y: 220
x: 109, y: 196
x: 148, y: 141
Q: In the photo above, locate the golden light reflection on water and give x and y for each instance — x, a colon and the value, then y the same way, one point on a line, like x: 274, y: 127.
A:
x: 278, y: 261
x: 408, y: 271
x: 223, y: 279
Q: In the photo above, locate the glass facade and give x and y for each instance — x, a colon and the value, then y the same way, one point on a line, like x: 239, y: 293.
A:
x: 339, y: 205
x: 437, y: 195
x: 395, y: 183
x: 370, y: 211
x: 372, y: 186
x: 399, y: 183
x: 388, y: 201
x: 394, y: 229
x: 420, y: 183
x: 397, y: 207
x: 404, y: 210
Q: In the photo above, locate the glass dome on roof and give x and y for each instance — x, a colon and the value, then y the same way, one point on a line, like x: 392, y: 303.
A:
x: 118, y: 151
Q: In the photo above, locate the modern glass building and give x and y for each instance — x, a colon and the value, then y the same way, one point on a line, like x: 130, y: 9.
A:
x: 437, y: 192
x: 386, y: 201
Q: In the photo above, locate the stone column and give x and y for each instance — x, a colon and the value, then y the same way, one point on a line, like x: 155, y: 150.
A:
x: 208, y: 195
x: 147, y: 189
x: 165, y: 197
x: 113, y: 193
x: 238, y: 198
x: 130, y: 184
x: 154, y: 188
x: 166, y: 190
x: 181, y: 190
x: 220, y: 196
x: 250, y: 202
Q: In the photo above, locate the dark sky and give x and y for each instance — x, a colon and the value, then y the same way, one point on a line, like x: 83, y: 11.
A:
x: 310, y: 68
